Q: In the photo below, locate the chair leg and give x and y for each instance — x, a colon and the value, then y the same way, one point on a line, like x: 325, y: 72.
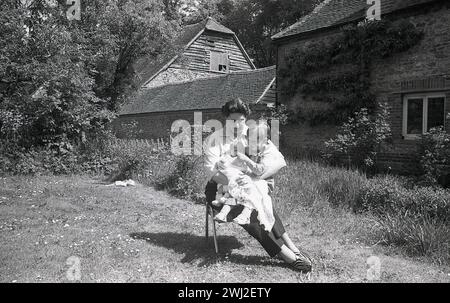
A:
x: 210, y: 212
x: 216, y: 245
x: 207, y: 222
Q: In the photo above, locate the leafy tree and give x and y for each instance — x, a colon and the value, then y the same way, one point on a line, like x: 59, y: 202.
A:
x: 256, y: 21
x: 61, y: 79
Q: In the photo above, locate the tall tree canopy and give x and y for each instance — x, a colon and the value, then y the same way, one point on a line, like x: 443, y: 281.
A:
x: 59, y: 78
x: 255, y: 21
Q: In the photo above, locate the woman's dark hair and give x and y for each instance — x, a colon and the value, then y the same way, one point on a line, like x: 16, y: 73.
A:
x: 236, y: 106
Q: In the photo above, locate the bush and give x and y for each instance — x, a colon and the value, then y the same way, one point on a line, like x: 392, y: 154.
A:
x: 435, y: 156
x: 61, y: 158
x: 134, y: 157
x: 187, y: 180
x: 361, y: 138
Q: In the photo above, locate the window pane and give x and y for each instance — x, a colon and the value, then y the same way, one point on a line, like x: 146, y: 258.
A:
x: 219, y: 61
x: 415, y: 116
x: 215, y: 57
x: 436, y: 114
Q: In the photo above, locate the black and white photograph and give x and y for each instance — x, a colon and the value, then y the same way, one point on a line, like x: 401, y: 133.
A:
x: 240, y: 144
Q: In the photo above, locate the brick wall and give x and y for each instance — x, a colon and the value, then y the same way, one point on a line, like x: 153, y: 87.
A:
x: 158, y: 125
x: 423, y: 68
x: 298, y: 138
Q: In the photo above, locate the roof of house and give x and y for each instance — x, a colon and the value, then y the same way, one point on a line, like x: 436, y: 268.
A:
x: 149, y: 68
x: 332, y: 13
x: 209, y: 93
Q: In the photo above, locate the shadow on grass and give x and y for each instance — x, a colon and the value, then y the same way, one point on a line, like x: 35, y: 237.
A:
x: 198, y: 248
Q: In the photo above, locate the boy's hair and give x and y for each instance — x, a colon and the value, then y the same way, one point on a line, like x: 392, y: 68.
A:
x: 253, y: 133
x: 261, y: 125
x: 236, y: 106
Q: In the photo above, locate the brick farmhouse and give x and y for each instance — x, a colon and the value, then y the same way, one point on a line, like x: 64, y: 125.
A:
x: 415, y: 83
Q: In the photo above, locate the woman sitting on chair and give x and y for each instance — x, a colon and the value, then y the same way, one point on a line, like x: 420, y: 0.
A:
x: 276, y: 242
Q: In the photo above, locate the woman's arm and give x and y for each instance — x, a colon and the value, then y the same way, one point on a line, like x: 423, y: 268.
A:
x: 272, y: 161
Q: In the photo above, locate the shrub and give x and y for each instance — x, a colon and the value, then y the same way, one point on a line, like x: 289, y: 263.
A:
x: 187, y: 180
x: 361, y: 138
x: 134, y: 156
x: 61, y: 158
x: 435, y: 156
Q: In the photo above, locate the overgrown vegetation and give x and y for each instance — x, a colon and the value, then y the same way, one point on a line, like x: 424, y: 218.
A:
x: 332, y: 78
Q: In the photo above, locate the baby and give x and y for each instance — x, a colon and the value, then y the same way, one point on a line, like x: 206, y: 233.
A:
x: 234, y: 194
x: 255, y: 193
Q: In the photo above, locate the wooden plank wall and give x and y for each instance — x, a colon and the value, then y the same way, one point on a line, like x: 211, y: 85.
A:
x: 197, y: 56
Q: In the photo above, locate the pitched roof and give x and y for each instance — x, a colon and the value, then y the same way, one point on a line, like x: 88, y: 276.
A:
x: 148, y: 68
x: 209, y: 93
x: 331, y: 13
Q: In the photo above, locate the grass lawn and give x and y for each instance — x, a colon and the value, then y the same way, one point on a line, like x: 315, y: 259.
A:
x: 138, y: 234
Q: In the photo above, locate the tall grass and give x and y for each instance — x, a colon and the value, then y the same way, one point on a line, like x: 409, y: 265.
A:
x: 414, y: 219
x: 423, y: 236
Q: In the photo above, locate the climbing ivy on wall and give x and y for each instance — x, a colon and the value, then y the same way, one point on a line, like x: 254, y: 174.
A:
x: 332, y: 78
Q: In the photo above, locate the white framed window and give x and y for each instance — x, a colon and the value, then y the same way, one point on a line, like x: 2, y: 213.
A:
x: 421, y: 112
x: 219, y: 62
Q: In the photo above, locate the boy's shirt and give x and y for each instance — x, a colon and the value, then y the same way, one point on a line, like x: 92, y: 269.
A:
x: 269, y: 158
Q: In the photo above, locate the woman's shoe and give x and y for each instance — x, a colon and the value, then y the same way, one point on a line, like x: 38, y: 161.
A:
x: 303, y: 265
x: 303, y: 255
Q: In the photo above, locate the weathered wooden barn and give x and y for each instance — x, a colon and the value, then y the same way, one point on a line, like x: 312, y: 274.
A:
x: 209, y: 66
x: 415, y: 83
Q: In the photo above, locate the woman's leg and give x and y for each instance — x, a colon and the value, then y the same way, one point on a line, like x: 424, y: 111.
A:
x: 272, y: 241
x: 287, y: 254
x: 287, y: 240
